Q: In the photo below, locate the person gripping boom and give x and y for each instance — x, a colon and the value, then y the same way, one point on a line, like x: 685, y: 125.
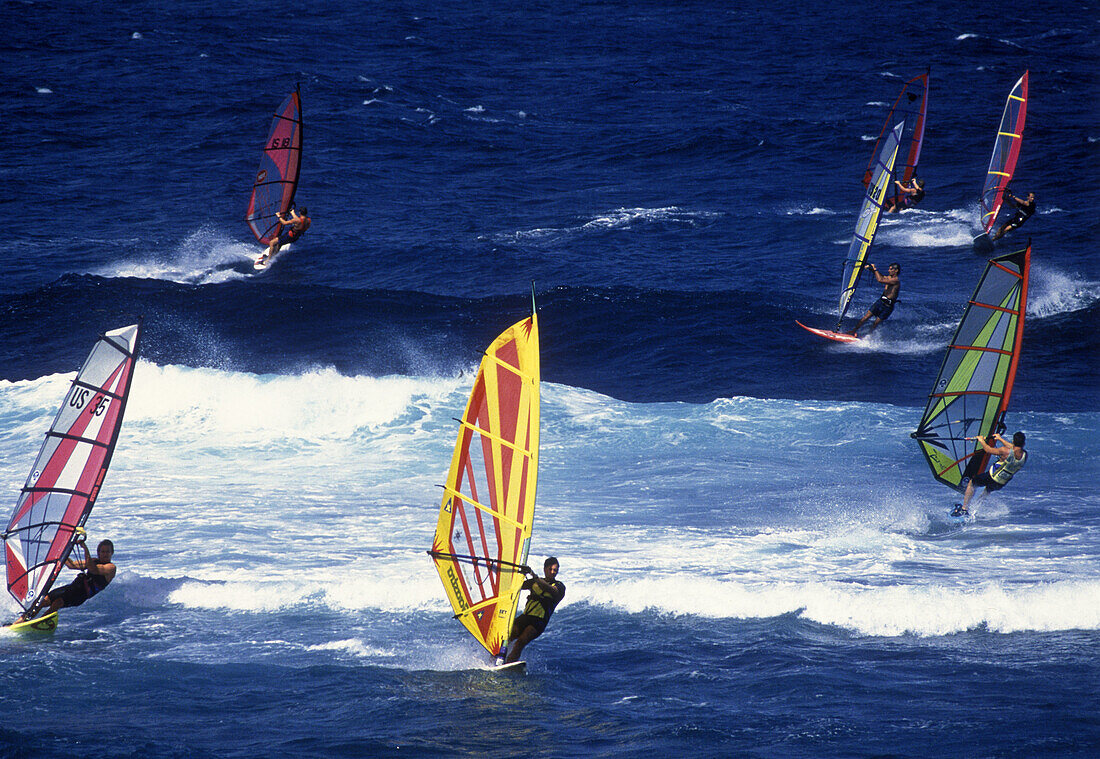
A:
x: 546, y: 593
x: 1010, y: 460
x: 96, y: 574
x: 290, y: 229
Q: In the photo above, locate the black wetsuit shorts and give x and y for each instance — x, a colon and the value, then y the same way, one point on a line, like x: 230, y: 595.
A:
x: 983, y: 480
x: 74, y: 594
x: 524, y: 621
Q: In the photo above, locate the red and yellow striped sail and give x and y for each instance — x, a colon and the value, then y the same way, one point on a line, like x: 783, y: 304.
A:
x: 484, y: 528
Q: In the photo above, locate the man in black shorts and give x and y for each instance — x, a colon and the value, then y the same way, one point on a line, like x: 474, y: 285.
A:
x: 1024, y: 209
x: 96, y: 575
x: 884, y: 306
x: 546, y: 593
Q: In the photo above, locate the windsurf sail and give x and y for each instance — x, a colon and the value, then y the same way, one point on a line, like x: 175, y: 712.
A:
x: 484, y: 528
x: 971, y: 393
x: 912, y: 108
x: 1006, y: 151
x: 277, y: 178
x: 867, y: 223
x: 68, y: 473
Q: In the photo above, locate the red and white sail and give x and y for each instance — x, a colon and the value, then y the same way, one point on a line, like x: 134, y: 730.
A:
x: 68, y: 473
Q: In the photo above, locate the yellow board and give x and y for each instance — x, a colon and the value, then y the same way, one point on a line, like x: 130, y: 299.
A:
x: 46, y: 624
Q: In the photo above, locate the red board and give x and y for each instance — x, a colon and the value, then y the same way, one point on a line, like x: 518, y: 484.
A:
x: 838, y: 337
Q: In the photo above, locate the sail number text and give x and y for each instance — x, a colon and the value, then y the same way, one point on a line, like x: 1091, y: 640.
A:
x: 80, y: 398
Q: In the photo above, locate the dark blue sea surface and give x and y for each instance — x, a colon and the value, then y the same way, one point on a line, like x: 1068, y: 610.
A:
x: 757, y: 558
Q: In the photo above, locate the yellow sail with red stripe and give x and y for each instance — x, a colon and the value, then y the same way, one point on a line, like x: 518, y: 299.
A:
x: 484, y: 528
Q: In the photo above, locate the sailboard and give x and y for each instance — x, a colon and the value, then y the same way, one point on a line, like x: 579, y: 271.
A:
x: 47, y: 623
x: 910, y: 107
x: 864, y: 235
x: 1002, y: 165
x: 66, y: 478
x: 483, y: 533
x: 828, y: 334
x: 277, y: 178
x: 971, y: 393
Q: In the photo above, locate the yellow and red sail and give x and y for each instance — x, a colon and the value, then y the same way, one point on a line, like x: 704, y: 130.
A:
x: 484, y: 528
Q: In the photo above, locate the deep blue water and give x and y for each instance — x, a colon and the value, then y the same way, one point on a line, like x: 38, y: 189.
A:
x: 756, y: 557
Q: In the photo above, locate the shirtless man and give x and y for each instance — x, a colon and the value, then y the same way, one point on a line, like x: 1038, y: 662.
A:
x: 884, y: 306
x: 290, y: 229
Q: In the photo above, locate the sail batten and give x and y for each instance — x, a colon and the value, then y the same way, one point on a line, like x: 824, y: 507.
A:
x: 481, y: 507
x: 1006, y: 152
x: 277, y: 177
x: 972, y: 390
x: 66, y: 477
x: 484, y: 528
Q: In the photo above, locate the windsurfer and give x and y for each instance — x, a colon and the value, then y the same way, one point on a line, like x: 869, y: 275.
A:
x: 546, y: 593
x: 96, y: 574
x: 1024, y: 209
x: 1010, y: 459
x: 290, y: 229
x: 884, y: 306
x: 909, y: 195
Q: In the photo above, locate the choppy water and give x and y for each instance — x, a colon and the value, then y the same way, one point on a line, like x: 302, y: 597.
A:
x: 757, y: 560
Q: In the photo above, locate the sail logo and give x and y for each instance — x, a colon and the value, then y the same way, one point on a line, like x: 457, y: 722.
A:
x: 261, y: 176
x: 457, y: 588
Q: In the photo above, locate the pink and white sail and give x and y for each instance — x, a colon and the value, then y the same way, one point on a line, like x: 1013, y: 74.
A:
x: 67, y: 475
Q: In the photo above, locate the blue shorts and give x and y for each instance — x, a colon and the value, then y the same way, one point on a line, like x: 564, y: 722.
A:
x: 882, y: 308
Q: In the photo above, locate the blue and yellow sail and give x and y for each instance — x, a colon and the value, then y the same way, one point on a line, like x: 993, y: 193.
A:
x: 971, y: 392
x: 867, y: 223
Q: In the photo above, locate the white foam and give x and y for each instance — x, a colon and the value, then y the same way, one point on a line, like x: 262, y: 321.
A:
x: 1052, y: 291
x: 809, y: 211
x: 274, y: 494
x: 616, y: 219
x: 924, y: 610
x: 203, y: 257
x: 918, y: 228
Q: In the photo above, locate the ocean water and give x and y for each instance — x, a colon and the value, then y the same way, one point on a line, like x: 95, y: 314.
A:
x: 758, y: 561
